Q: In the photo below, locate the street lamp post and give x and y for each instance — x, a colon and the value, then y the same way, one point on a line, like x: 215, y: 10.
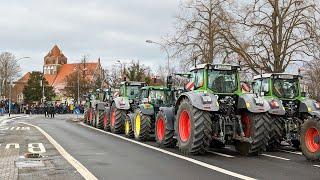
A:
x: 166, y: 50
x: 10, y: 86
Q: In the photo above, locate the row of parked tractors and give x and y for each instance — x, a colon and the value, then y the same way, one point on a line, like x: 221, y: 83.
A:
x: 213, y: 110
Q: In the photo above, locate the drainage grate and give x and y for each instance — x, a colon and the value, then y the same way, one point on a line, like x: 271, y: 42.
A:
x: 29, y: 160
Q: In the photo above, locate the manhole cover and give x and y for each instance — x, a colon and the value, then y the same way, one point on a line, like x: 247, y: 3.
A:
x: 33, y: 155
x: 29, y: 164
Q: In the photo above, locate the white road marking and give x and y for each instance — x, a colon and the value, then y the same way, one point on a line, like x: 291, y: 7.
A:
x: 76, y: 164
x: 36, y: 148
x: 317, y: 166
x: 16, y: 145
x: 221, y: 154
x: 277, y: 157
x: 200, y: 163
x: 291, y: 152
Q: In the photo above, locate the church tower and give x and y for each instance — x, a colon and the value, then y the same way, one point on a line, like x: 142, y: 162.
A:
x: 53, y: 61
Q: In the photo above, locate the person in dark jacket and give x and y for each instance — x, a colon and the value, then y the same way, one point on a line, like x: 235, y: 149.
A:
x: 46, y: 110
x: 52, y: 110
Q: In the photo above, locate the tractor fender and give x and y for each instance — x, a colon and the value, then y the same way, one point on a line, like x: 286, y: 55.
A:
x: 121, y: 103
x: 146, y: 109
x: 200, y: 100
x: 169, y: 113
x: 100, y: 105
x: 308, y: 105
x: 250, y: 102
x: 276, y: 111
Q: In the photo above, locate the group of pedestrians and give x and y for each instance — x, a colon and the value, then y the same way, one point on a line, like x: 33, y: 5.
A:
x: 49, y: 110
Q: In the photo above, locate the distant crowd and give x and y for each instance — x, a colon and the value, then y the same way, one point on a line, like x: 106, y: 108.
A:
x: 54, y: 108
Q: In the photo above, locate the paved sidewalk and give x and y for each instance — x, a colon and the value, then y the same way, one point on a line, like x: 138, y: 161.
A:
x: 20, y: 147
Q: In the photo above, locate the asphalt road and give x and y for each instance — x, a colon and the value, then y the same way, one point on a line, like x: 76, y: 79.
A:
x: 110, y: 157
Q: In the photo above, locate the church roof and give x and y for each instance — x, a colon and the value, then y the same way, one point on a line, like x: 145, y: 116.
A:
x: 55, y: 52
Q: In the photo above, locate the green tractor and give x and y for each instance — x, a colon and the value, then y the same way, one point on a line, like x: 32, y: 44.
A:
x: 141, y: 123
x: 217, y: 112
x: 102, y: 109
x: 289, y: 109
x: 89, y: 108
x: 121, y: 105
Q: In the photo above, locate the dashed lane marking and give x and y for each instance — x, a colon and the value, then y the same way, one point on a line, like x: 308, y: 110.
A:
x: 221, y: 154
x: 291, y: 152
x: 200, y: 163
x: 76, y: 164
x: 317, y: 166
x: 277, y: 157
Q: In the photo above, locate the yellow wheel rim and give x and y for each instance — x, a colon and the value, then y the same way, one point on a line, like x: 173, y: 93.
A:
x: 127, y: 127
x: 137, y: 124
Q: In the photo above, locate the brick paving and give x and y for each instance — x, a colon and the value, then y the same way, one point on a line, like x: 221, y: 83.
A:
x: 8, y: 170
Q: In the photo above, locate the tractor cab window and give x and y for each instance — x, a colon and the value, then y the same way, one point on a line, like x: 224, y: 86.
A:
x: 133, y: 92
x: 221, y: 81
x: 261, y: 85
x: 285, y: 88
x: 159, y: 97
x: 144, y: 93
x: 198, y: 78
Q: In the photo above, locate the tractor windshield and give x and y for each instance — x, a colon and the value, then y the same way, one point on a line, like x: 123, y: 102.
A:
x: 159, y: 97
x: 133, y: 92
x: 220, y: 81
x: 285, y: 88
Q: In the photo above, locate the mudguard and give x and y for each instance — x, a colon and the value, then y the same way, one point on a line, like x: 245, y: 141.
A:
x: 276, y: 111
x: 169, y: 113
x: 249, y: 101
x: 121, y: 103
x: 146, y: 109
x: 100, y: 105
x: 201, y: 100
x: 308, y: 105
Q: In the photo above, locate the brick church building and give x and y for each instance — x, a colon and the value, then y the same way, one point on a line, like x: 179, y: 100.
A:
x: 56, y: 69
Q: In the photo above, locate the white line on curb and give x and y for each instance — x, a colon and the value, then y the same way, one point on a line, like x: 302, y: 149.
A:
x: 221, y: 154
x: 200, y: 163
x: 292, y: 152
x: 317, y: 166
x: 277, y: 157
x: 76, y: 164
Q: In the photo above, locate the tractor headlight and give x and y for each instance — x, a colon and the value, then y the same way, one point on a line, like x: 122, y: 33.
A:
x: 317, y: 104
x: 130, y: 101
x: 206, y: 99
x: 258, y: 101
x: 274, y: 104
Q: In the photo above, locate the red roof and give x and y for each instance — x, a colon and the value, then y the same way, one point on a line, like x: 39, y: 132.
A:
x: 25, y: 78
x: 67, y: 69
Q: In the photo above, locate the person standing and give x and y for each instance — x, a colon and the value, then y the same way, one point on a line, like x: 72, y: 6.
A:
x: 46, y: 110
x: 52, y: 110
x: 2, y: 105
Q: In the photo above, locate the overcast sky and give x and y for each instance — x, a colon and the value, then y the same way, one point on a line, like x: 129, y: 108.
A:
x: 109, y: 29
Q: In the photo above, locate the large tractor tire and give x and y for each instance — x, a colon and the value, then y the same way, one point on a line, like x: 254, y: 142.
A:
x: 142, y: 126
x: 106, y: 121
x: 118, y: 116
x: 257, y: 127
x: 164, y: 135
x: 99, y: 123
x: 193, y: 129
x: 310, y: 139
x: 128, y: 128
x: 277, y: 132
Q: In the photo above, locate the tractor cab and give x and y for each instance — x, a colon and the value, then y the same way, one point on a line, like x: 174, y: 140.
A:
x: 216, y: 78
x: 131, y: 89
x: 280, y: 85
x: 158, y: 96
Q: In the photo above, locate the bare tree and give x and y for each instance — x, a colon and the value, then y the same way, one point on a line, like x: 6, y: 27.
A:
x: 197, y: 31
x: 9, y: 68
x: 271, y: 35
